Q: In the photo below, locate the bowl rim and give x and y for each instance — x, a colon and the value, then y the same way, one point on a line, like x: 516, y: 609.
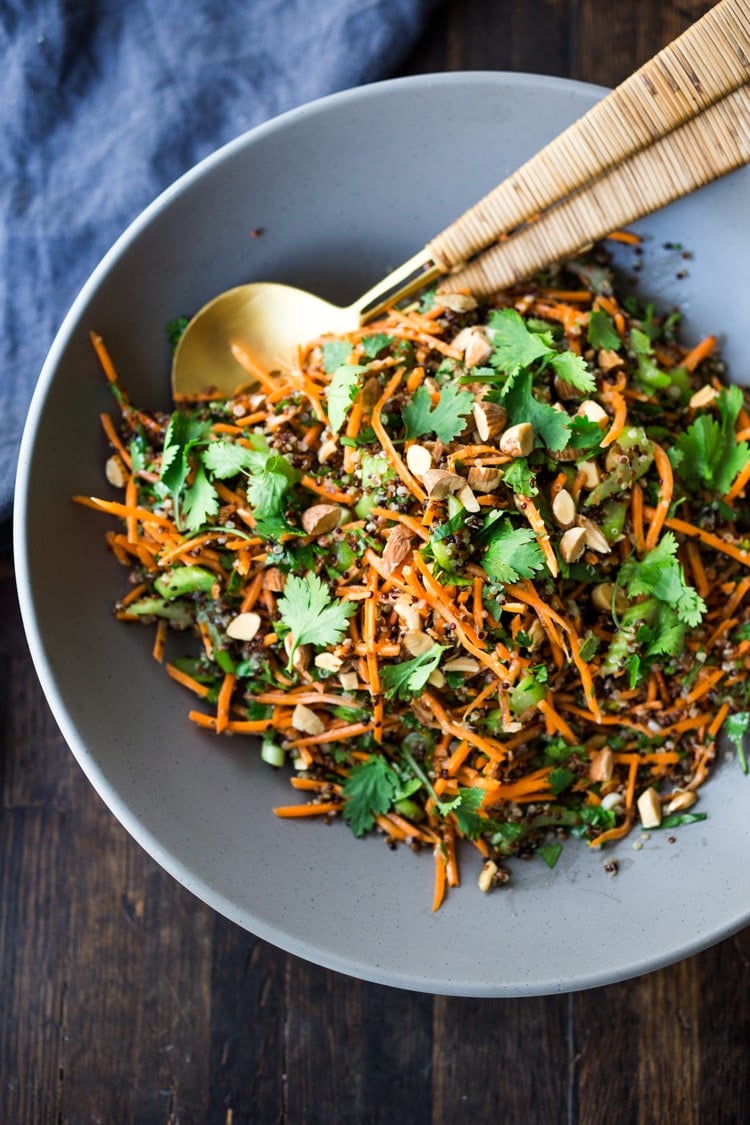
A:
x: 392, y: 977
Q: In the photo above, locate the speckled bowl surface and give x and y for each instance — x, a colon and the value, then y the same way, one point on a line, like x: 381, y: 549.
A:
x: 343, y: 190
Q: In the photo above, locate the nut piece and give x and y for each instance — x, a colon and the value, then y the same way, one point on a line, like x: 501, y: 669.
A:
x: 607, y: 359
x: 306, y: 721
x: 397, y: 548
x: 595, y: 538
x: 349, y: 681
x: 301, y: 657
x: 439, y: 483
x: 321, y: 518
x: 115, y: 471
x: 680, y: 801
x: 409, y: 614
x: 457, y: 302
x: 478, y: 348
x: 487, y: 875
x: 416, y: 642
x: 589, y: 474
x: 601, y: 596
x: 327, y: 451
x: 418, y: 460
x: 468, y: 499
x: 594, y: 412
x: 466, y: 664
x: 602, y: 764
x: 573, y: 544
x: 613, y: 800
x: 328, y: 661
x: 649, y: 808
x: 564, y: 508
x: 273, y: 579
x: 703, y: 397
x: 244, y: 626
x: 437, y: 679
x: 565, y: 391
x: 518, y: 441
x: 489, y: 419
x: 484, y: 480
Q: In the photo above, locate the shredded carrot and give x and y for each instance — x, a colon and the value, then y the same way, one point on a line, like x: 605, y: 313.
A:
x: 620, y: 407
x: 664, y: 467
x: 700, y: 352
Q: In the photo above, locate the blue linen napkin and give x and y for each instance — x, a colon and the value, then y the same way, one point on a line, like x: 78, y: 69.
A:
x: 103, y: 104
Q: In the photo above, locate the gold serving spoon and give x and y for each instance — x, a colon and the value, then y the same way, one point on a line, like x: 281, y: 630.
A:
x: 680, y: 121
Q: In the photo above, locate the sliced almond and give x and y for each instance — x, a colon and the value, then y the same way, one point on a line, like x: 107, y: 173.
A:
x: 649, y: 808
x: 320, y: 518
x: 601, y: 596
x: 328, y: 662
x: 602, y: 764
x: 468, y: 499
x: 564, y: 508
x: 417, y: 643
x: 518, y: 441
x: 301, y: 656
x: 436, y: 678
x: 594, y: 412
x: 306, y: 721
x: 418, y: 460
x: 244, y: 626
x: 489, y: 419
x: 595, y: 537
x: 115, y: 471
x: 397, y: 548
x: 566, y: 391
x: 484, y: 480
x: 349, y: 681
x: 440, y: 483
x: 573, y: 544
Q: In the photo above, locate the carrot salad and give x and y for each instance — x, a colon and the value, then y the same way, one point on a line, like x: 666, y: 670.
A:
x: 478, y: 571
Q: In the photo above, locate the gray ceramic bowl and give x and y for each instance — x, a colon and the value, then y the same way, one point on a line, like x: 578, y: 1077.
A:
x: 344, y: 189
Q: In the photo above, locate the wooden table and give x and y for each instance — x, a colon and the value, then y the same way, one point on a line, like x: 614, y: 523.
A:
x: 124, y: 999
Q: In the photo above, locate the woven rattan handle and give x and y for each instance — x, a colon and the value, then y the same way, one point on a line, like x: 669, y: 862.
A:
x: 716, y: 142
x: 707, y: 62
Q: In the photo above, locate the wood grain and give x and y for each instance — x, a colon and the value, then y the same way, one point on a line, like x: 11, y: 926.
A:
x: 125, y: 1000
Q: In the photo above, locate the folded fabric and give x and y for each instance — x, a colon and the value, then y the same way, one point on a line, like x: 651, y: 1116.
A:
x: 103, y: 104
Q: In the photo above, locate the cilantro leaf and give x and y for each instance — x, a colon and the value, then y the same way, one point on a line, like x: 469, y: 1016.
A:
x: 465, y: 808
x: 552, y: 426
x: 708, y: 453
x: 560, y: 779
x: 368, y: 791
x: 335, y: 352
x: 584, y: 434
x: 520, y: 478
x: 513, y: 554
x: 310, y: 614
x: 373, y: 345
x: 224, y: 459
x: 200, y: 501
x: 602, y: 332
x: 572, y: 369
x: 402, y: 680
x: 515, y: 345
x: 183, y: 434
x: 447, y: 418
x: 660, y: 575
x: 341, y: 392
x: 735, y: 729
